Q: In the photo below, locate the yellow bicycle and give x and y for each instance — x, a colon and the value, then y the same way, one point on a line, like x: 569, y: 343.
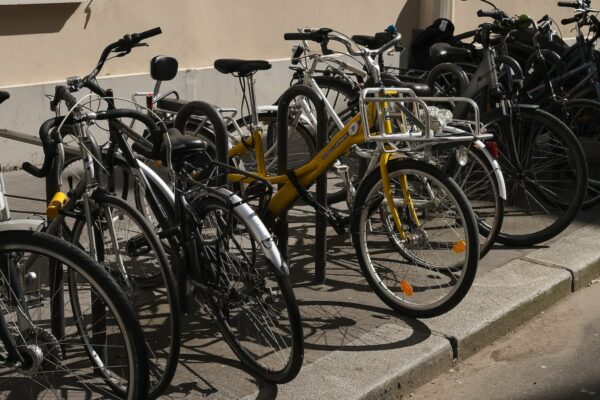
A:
x: 412, y: 227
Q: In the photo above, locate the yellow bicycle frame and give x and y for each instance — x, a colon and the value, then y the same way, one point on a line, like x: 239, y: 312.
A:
x: 308, y: 173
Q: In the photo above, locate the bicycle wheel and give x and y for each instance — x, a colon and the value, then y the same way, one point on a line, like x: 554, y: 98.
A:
x: 447, y: 80
x: 477, y: 180
x: 60, y: 361
x: 249, y: 292
x: 440, y: 252
x: 545, y: 173
x: 301, y: 143
x: 130, y: 250
x: 583, y: 118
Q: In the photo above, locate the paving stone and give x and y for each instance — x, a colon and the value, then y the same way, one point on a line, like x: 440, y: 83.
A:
x: 417, y: 356
x: 500, y: 301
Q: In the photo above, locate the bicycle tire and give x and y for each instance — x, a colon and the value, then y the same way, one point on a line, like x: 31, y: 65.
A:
x: 403, y: 296
x: 137, y: 236
x: 234, y: 280
x: 568, y: 162
x: 582, y: 117
x: 438, y: 81
x: 112, y: 299
x: 485, y: 198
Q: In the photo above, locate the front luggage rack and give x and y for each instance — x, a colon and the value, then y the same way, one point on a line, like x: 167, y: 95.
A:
x: 413, y: 121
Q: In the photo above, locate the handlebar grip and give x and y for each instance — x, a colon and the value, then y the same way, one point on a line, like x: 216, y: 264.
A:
x: 147, y: 34
x: 37, y: 172
x: 313, y: 36
x: 571, y: 4
x: 495, y: 14
x: 571, y: 20
x: 318, y: 36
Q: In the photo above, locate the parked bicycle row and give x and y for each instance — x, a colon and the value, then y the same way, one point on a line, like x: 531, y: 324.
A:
x: 168, y: 202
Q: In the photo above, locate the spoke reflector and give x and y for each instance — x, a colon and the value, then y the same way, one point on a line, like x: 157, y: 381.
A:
x: 406, y: 287
x: 459, y: 247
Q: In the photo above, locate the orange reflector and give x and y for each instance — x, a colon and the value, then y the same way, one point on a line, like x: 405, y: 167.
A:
x: 406, y: 288
x: 157, y: 163
x: 459, y: 246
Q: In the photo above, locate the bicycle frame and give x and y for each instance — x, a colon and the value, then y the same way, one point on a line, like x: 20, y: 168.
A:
x: 355, y: 132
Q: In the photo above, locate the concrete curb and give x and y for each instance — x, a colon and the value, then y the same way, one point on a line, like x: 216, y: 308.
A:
x: 373, y: 373
x: 498, y: 302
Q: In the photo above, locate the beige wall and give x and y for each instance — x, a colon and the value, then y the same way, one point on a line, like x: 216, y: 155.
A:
x: 465, y: 12
x: 49, y: 42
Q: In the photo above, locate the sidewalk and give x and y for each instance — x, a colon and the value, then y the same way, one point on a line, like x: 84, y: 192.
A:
x: 355, y: 346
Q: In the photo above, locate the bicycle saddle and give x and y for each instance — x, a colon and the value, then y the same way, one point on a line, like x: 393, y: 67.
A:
x: 444, y: 52
x: 242, y: 67
x: 372, y: 42
x: 183, y: 147
x: 420, y: 89
x: 4, y: 96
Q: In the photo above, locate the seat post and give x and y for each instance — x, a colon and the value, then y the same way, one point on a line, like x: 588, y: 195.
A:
x: 253, y: 110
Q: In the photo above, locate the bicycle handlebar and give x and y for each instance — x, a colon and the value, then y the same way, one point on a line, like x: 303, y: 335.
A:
x: 568, y: 4
x: 49, y: 144
x: 49, y: 147
x: 495, y: 14
x: 124, y: 45
x: 571, y: 20
x: 61, y: 93
x: 318, y: 36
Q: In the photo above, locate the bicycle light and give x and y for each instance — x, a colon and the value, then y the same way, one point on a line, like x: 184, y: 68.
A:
x: 462, y: 155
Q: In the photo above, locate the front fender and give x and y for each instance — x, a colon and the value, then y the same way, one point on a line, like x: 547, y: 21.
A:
x: 495, y: 166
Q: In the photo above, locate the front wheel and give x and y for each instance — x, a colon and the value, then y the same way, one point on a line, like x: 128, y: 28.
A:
x: 430, y: 270
x: 99, y: 327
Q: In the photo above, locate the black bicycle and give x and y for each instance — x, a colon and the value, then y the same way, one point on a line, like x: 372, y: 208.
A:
x: 221, y: 254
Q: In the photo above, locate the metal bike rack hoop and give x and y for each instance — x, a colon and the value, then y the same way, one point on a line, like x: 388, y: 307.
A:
x: 281, y: 228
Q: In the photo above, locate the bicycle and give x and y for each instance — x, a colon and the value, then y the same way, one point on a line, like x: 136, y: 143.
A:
x: 66, y: 328
x: 544, y: 165
x: 413, y: 185
x: 110, y: 229
x: 479, y: 176
x: 222, y: 255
